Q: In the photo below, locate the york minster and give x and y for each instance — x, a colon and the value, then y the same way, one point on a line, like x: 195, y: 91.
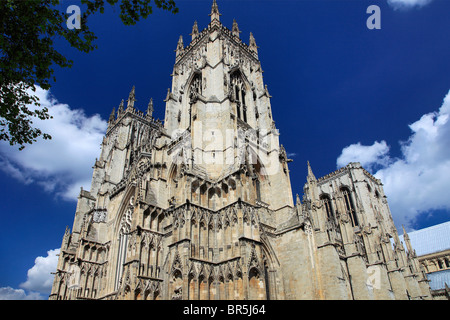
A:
x: 200, y: 206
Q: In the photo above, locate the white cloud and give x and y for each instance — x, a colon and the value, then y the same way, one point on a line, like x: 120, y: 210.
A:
x: 291, y: 154
x: 8, y: 293
x: 61, y: 165
x: 368, y: 156
x: 407, y: 4
x: 39, y: 280
x: 418, y: 181
x: 40, y: 277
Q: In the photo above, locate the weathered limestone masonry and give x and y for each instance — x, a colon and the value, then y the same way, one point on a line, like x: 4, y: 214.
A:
x: 201, y: 207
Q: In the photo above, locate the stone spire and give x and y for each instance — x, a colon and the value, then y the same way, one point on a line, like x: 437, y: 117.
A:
x: 405, y: 235
x: 66, y: 238
x: 120, y: 109
x: 298, y: 202
x: 235, y: 29
x: 310, y: 176
x: 215, y: 15
x: 150, y: 108
x: 407, y: 242
x: 397, y: 242
x: 112, y: 116
x: 310, y: 188
x: 131, y: 99
x: 298, y: 206
x: 194, y: 32
x: 252, y: 44
x: 180, y: 46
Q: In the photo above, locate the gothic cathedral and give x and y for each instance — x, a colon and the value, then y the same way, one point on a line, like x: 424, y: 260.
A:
x: 201, y: 207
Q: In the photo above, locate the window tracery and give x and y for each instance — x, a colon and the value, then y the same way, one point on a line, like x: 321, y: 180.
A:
x: 238, y: 94
x: 196, y: 88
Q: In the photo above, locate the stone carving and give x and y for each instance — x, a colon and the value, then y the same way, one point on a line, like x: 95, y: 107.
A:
x: 100, y: 215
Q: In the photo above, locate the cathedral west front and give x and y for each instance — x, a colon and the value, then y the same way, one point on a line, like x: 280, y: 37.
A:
x: 200, y: 207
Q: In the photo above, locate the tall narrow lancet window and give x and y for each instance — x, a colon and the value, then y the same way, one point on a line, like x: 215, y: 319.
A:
x: 238, y: 104
x: 239, y: 92
x: 195, y: 88
x: 123, y: 239
x: 349, y: 206
x: 244, y: 107
x: 327, y: 204
x: 258, y: 190
x: 124, y: 231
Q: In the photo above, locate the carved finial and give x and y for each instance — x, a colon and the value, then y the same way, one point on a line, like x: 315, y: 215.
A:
x: 194, y: 32
x: 235, y: 29
x: 215, y: 14
x: 180, y: 42
x: 407, y: 241
x: 252, y: 44
x: 66, y: 238
x: 405, y: 235
x: 131, y: 99
x: 180, y: 46
x: 310, y: 173
x: 120, y: 110
x: 67, y: 231
x: 112, y: 116
x: 150, y: 108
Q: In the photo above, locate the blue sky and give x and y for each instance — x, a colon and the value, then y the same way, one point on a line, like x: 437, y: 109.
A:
x: 340, y: 93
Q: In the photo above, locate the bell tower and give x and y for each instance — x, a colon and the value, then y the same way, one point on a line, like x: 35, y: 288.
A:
x: 218, y: 109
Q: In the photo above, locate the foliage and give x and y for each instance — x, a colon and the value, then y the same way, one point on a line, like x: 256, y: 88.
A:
x: 27, y: 55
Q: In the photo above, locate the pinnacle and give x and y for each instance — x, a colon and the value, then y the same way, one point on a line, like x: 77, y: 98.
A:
x: 194, y: 32
x: 235, y: 29
x: 252, y: 43
x: 310, y: 173
x: 215, y: 14
x: 150, y: 108
x: 131, y: 98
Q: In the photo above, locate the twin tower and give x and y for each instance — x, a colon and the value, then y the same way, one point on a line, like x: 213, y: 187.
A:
x: 200, y: 206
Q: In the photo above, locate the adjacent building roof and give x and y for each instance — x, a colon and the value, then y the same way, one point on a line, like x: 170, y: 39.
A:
x: 439, y: 279
x: 430, y: 240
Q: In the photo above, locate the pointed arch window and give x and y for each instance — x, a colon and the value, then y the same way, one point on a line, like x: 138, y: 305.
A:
x: 124, y: 231
x: 239, y: 92
x: 327, y: 204
x: 349, y: 206
x: 258, y: 190
x: 123, y: 240
x: 195, y: 88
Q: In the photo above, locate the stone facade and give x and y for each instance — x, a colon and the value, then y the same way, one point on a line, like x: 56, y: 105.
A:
x: 201, y: 207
